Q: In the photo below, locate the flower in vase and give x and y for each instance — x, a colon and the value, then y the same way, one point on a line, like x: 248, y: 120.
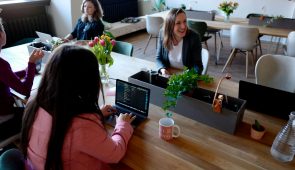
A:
x: 102, y: 47
x: 228, y: 7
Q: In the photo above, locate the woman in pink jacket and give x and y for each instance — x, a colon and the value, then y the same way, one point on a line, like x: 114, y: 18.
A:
x: 63, y: 125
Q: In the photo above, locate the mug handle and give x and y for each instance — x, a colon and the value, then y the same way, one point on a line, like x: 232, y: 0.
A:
x: 178, y: 131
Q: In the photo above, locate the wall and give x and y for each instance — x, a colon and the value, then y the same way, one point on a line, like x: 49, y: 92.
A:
x: 76, y: 11
x: 60, y: 16
x: 272, y: 7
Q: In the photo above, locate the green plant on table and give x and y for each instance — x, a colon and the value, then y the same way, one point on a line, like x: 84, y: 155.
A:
x: 181, y: 83
x: 228, y: 7
x: 257, y: 126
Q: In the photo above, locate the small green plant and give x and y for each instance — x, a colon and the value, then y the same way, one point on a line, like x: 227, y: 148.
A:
x: 180, y: 83
x: 257, y: 126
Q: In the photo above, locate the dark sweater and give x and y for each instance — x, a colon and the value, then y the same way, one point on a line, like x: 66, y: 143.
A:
x: 191, y: 52
x: 87, y: 30
x: 21, y: 82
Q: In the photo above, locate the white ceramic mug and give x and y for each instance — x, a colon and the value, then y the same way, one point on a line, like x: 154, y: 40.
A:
x: 167, y: 129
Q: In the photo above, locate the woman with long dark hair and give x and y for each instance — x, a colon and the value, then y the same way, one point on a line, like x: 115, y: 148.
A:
x: 64, y: 126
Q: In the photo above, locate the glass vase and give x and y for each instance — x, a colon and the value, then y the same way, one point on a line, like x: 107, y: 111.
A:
x: 226, y: 18
x: 283, y: 147
x: 104, y: 75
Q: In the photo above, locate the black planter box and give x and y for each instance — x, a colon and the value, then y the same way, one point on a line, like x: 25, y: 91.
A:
x: 198, y: 106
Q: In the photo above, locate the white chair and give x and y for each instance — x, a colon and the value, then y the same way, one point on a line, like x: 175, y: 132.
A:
x: 153, y: 26
x: 291, y: 44
x: 205, y: 60
x: 242, y: 38
x: 276, y: 71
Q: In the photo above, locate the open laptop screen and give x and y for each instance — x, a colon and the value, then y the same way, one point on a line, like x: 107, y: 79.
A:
x: 132, y: 97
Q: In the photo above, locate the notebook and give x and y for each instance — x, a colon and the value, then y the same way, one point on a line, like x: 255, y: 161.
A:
x: 267, y: 100
x: 131, y: 98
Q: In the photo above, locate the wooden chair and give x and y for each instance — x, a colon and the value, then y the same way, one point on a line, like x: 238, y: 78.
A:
x: 123, y: 48
x: 153, y: 26
x: 242, y: 38
x: 250, y: 17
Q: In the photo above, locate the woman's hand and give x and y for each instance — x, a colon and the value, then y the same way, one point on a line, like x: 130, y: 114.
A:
x: 165, y: 73
x: 127, y: 117
x: 107, y: 110
x: 36, y: 55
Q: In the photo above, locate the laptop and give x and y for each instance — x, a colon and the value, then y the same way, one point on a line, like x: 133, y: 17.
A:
x: 130, y: 98
x: 44, y: 37
x: 267, y: 100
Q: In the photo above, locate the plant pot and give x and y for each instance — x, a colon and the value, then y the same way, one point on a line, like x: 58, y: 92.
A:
x: 255, y: 134
x: 198, y: 106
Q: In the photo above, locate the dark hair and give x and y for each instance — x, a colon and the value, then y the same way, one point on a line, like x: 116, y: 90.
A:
x: 1, y: 25
x: 98, y: 13
x: 169, y: 24
x: 70, y: 86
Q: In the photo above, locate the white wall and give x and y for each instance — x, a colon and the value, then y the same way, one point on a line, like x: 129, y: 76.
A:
x: 59, y: 13
x: 272, y: 7
x: 76, y: 11
x: 64, y: 14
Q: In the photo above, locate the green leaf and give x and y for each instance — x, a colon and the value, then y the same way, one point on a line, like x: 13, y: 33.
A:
x: 180, y: 83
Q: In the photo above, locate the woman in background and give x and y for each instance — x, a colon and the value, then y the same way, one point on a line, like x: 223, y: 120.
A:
x: 177, y: 45
x: 64, y: 126
x: 21, y: 82
x: 90, y: 24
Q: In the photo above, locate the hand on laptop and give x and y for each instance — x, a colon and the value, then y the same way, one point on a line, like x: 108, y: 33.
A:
x: 107, y: 110
x: 127, y: 117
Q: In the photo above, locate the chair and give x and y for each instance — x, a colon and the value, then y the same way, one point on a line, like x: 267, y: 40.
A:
x: 291, y: 44
x: 201, y: 28
x: 205, y: 60
x: 12, y: 159
x: 153, y: 26
x: 242, y: 38
x: 276, y: 71
x: 123, y: 48
x: 249, y: 16
x: 215, y: 31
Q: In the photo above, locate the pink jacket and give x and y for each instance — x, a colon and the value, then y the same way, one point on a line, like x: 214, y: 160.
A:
x: 87, y: 144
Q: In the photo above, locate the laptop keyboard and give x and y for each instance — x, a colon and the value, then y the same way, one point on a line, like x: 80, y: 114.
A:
x: 112, y: 118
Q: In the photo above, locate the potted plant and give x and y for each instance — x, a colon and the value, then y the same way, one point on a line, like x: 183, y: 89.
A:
x: 228, y: 8
x: 178, y: 84
x: 257, y: 130
x: 180, y: 94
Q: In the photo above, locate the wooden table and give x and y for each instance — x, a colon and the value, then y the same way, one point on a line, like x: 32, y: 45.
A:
x: 199, y: 146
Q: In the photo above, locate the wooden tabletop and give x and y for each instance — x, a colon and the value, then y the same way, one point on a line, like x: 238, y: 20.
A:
x: 199, y: 146
x: 220, y: 24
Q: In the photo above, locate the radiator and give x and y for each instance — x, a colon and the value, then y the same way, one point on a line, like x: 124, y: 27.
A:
x: 116, y: 10
x: 18, y: 29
